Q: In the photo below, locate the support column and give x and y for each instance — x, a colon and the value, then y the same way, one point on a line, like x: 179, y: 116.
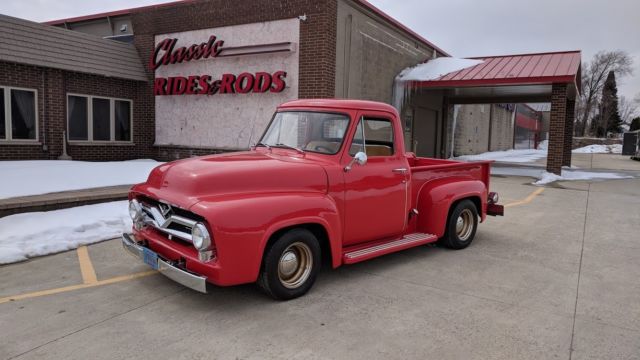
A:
x: 568, y: 131
x: 555, y: 154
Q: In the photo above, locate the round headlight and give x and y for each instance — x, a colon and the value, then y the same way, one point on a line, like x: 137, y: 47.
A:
x: 135, y: 209
x: 200, y: 236
x: 493, y: 197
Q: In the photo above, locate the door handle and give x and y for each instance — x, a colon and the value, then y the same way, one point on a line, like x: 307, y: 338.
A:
x: 400, y: 170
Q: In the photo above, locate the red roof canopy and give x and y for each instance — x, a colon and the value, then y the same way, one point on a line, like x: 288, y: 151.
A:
x: 524, y: 69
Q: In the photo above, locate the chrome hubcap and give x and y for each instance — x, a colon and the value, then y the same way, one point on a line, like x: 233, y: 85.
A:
x: 295, y: 265
x: 464, y: 225
x: 288, y: 263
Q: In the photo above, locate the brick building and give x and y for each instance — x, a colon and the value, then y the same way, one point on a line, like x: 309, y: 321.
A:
x: 204, y: 76
x: 303, y: 44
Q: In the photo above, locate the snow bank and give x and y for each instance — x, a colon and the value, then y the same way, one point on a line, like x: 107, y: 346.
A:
x: 599, y: 149
x: 543, y: 177
x: 27, y: 235
x: 429, y: 70
x: 531, y: 155
x: 513, y: 156
x: 547, y: 177
x: 543, y: 145
x: 23, y: 178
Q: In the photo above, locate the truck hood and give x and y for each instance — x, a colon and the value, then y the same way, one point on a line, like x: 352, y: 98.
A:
x: 185, y: 182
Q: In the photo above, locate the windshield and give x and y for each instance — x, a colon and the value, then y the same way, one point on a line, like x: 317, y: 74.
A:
x: 306, y: 131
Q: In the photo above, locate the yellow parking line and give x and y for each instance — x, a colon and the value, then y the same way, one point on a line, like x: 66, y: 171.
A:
x: 112, y: 280
x: 86, y: 267
x: 526, y: 200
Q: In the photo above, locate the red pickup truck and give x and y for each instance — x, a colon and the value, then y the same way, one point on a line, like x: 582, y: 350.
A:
x: 329, y: 181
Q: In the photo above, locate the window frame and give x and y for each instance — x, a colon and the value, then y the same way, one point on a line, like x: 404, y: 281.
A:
x: 376, y: 117
x: 112, y: 121
x: 8, y: 125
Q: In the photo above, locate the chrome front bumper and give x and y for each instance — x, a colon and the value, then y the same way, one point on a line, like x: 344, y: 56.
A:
x: 195, y: 282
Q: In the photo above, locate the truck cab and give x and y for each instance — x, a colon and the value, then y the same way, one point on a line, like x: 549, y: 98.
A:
x: 328, y: 181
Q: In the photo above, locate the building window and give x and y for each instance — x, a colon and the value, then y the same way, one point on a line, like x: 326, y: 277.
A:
x: 101, y: 111
x: 98, y: 119
x: 78, y: 126
x: 3, y: 128
x: 18, y: 114
x: 123, y: 120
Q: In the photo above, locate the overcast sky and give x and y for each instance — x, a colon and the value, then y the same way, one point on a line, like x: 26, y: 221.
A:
x: 460, y: 27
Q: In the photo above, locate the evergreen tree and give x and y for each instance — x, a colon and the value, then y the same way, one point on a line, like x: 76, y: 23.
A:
x: 635, y: 124
x: 609, y: 117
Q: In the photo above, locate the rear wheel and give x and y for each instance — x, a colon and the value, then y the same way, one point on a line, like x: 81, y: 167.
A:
x: 461, y: 225
x: 290, y: 265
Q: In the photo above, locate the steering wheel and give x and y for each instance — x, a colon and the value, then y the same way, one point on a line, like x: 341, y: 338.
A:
x: 323, y: 149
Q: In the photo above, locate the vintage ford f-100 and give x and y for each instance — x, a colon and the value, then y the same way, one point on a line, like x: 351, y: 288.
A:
x: 329, y: 181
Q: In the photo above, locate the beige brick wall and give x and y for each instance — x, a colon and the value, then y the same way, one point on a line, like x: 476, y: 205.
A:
x: 472, y: 130
x: 481, y: 128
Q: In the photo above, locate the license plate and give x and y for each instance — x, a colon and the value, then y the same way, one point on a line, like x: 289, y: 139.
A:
x: 150, y: 258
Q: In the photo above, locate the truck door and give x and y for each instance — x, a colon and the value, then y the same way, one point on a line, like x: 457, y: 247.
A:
x: 376, y: 194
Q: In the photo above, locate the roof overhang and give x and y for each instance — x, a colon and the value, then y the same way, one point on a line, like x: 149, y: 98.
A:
x: 510, y: 79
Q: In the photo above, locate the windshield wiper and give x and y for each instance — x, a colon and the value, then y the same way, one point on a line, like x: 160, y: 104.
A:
x: 260, y: 143
x: 289, y: 147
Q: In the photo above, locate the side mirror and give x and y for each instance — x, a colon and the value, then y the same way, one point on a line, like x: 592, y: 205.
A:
x: 360, y: 158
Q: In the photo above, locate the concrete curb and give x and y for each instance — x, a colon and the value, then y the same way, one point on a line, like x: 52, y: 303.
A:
x: 62, y: 200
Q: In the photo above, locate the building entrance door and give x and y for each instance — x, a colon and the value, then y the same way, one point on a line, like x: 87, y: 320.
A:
x: 425, y: 132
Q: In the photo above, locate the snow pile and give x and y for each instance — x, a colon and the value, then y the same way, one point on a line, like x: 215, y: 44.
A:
x: 436, y: 68
x: 543, y: 145
x: 543, y: 177
x: 23, y: 236
x: 599, y: 149
x: 429, y: 70
x: 513, y: 156
x: 23, y: 178
x: 547, y: 177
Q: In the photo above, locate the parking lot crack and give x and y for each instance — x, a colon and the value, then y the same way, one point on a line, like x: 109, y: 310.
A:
x: 575, y: 307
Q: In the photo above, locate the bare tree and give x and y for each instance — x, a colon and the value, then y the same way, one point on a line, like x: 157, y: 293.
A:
x: 629, y: 109
x: 594, y: 74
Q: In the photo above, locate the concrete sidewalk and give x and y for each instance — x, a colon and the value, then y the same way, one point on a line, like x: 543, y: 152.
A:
x: 62, y: 200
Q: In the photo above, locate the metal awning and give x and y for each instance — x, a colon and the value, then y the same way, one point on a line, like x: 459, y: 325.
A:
x: 510, y: 78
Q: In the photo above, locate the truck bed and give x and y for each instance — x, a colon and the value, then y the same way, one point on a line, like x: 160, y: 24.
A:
x: 424, y: 170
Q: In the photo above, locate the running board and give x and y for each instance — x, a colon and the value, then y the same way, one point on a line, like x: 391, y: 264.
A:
x: 405, y: 242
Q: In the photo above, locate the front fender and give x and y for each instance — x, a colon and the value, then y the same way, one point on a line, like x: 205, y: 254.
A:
x: 242, y: 226
x: 435, y: 199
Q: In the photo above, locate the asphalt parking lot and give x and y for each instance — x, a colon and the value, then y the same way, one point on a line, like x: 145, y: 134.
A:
x: 556, y: 278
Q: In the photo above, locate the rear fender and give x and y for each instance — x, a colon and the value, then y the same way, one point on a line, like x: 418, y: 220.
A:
x: 243, y: 225
x: 436, y: 197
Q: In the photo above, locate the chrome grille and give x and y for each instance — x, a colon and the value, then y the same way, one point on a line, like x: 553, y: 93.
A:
x: 161, y: 216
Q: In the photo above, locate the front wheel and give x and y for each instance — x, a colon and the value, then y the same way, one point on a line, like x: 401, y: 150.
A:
x: 290, y: 265
x: 461, y: 225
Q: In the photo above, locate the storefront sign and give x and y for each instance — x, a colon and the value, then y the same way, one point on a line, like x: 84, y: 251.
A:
x: 166, y: 53
x: 260, y: 82
x: 218, y: 87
